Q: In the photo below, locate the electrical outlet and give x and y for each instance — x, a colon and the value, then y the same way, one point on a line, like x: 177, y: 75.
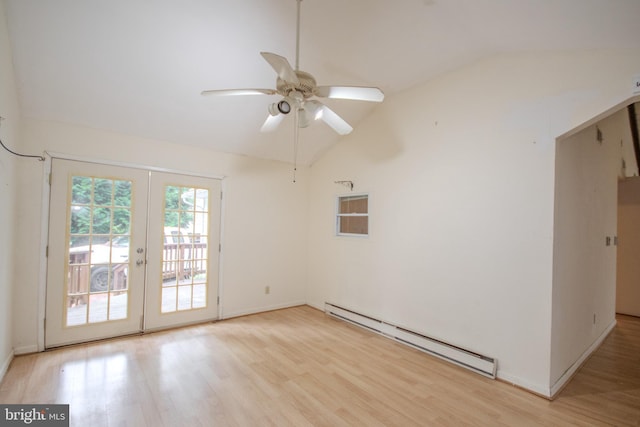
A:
x: 267, y: 290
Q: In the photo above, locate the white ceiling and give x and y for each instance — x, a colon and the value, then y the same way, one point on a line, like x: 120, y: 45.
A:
x: 138, y: 66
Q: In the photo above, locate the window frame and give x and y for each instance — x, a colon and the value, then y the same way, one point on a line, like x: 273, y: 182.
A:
x: 339, y: 215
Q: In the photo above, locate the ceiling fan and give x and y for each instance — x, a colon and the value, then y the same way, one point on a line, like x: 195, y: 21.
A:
x: 298, y: 90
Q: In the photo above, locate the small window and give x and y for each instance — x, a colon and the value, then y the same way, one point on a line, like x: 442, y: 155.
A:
x: 353, y: 215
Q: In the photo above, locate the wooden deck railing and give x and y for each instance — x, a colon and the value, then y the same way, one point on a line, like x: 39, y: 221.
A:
x: 180, y: 260
x: 78, y: 280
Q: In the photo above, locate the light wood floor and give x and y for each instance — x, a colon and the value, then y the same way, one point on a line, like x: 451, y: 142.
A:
x: 299, y: 367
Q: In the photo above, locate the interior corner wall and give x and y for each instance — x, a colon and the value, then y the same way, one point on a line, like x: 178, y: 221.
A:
x: 628, y: 260
x: 264, y: 227
x: 9, y: 134
x: 460, y: 173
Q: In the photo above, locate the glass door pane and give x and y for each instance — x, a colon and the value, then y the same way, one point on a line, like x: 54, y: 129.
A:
x: 184, y: 248
x: 95, y: 278
x: 182, y: 282
x: 99, y: 232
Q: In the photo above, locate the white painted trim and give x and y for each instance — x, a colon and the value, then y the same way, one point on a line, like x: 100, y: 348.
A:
x: 262, y: 309
x: 601, y: 116
x: 85, y: 159
x: 316, y: 306
x: 568, y: 374
x: 44, y: 240
x: 538, y: 389
x: 337, y: 215
x: 223, y: 204
x: 5, y: 365
x: 27, y: 349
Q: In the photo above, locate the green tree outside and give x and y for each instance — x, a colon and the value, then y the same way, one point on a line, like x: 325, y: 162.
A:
x: 110, y: 203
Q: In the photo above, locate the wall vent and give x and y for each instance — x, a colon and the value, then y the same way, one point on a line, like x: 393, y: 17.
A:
x: 475, y: 362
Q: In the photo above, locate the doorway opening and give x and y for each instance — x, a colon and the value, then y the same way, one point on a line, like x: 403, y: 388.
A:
x: 591, y: 161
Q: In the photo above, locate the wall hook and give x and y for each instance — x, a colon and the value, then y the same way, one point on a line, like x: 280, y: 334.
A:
x: 348, y: 184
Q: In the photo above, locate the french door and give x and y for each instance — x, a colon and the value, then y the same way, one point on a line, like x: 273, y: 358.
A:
x: 183, y: 248
x: 129, y: 250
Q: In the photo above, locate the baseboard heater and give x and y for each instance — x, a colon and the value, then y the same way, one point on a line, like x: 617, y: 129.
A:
x: 475, y: 362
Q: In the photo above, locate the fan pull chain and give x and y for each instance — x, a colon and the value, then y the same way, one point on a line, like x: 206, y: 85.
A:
x: 296, y: 132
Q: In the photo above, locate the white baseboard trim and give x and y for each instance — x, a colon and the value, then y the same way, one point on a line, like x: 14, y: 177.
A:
x: 5, y: 365
x: 257, y: 310
x: 316, y: 306
x: 568, y: 374
x: 538, y: 389
x: 26, y: 349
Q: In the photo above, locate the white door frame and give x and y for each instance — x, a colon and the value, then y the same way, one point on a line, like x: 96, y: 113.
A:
x: 44, y: 226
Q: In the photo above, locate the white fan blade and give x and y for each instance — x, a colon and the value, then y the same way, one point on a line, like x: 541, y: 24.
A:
x: 271, y: 123
x: 334, y: 121
x: 312, y: 110
x: 281, y: 66
x: 356, y: 93
x: 233, y: 92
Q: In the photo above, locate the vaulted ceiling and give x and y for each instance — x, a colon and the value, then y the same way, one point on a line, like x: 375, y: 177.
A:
x: 138, y: 66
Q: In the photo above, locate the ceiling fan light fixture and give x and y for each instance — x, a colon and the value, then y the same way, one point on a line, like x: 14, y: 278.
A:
x: 313, y: 109
x: 304, y: 118
x: 282, y: 107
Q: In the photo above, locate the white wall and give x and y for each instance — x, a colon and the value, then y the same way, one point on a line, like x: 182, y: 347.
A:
x: 10, y: 136
x: 461, y: 176
x: 460, y: 173
x: 628, y: 265
x: 584, y: 276
x: 265, y: 226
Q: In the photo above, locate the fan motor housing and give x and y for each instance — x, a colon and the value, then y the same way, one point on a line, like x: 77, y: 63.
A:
x: 306, y: 86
